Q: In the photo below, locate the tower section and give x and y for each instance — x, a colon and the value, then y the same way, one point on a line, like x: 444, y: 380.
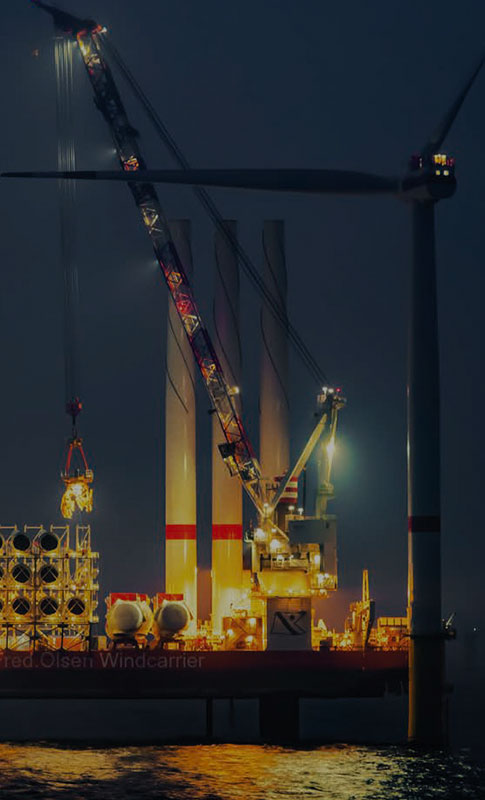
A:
x: 226, y: 490
x: 180, y: 486
x: 274, y: 403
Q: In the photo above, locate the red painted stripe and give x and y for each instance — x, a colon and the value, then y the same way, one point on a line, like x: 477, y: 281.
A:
x: 114, y: 596
x: 227, y: 532
x: 424, y: 524
x: 164, y: 596
x: 180, y: 532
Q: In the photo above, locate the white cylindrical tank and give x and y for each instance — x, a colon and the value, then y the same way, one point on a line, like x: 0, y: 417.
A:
x: 128, y: 618
x: 170, y: 618
x: 226, y: 491
x: 274, y: 404
x: 180, y: 476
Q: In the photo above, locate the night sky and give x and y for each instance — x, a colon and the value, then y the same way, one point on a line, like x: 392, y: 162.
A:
x: 275, y: 83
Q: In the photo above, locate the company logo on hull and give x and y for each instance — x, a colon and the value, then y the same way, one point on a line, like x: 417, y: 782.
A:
x: 289, y: 623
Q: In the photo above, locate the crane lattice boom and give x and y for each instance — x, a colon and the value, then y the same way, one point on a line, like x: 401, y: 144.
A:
x: 237, y: 451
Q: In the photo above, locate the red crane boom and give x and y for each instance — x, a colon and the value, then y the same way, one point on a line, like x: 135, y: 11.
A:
x: 236, y: 450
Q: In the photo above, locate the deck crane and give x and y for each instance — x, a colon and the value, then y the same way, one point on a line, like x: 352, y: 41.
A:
x: 236, y: 450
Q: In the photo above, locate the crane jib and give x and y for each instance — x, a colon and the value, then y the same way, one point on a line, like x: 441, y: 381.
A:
x: 237, y: 451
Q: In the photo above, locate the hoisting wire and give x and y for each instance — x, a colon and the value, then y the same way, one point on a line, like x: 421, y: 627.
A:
x: 66, y: 160
x: 78, y: 495
x: 252, y: 273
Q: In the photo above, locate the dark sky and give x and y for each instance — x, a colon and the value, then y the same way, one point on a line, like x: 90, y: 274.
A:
x: 309, y: 84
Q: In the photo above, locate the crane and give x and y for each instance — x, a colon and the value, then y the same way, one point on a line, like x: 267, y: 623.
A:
x: 236, y: 450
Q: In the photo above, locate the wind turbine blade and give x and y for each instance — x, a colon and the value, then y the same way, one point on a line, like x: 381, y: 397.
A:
x: 433, y: 145
x: 312, y: 181
x: 66, y: 22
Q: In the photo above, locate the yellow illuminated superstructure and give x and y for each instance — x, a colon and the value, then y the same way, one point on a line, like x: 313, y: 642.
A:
x: 242, y: 632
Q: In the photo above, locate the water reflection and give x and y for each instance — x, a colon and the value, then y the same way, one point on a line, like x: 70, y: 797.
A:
x: 236, y: 772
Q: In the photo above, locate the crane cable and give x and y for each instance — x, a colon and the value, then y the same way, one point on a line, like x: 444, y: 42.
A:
x: 252, y: 273
x: 78, y: 495
x: 66, y: 160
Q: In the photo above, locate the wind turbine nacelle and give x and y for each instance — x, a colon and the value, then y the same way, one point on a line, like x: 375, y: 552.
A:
x: 430, y: 178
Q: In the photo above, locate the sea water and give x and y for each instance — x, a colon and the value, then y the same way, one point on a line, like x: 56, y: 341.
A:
x: 237, y: 772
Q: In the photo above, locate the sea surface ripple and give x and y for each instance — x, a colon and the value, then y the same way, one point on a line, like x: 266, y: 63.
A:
x: 237, y: 772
